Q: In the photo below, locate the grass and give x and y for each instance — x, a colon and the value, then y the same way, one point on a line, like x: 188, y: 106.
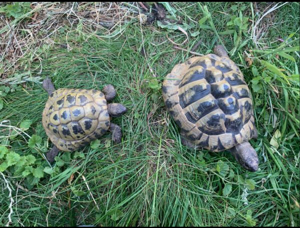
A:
x: 150, y: 179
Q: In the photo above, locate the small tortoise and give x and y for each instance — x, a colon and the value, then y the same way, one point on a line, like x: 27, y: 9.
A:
x: 211, y: 103
x: 74, y: 117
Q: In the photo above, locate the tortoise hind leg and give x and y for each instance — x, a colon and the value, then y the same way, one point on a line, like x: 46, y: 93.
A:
x: 254, y: 133
x: 116, y: 132
x: 51, y: 154
x: 186, y: 142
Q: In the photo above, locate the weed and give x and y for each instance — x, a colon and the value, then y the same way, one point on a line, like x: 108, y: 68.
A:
x: 16, y: 10
x: 150, y: 179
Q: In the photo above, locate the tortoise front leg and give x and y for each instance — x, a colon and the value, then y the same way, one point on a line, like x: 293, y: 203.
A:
x: 116, y: 109
x: 116, y: 132
x: 186, y: 142
x: 52, y: 153
x: 48, y: 86
x: 109, y: 92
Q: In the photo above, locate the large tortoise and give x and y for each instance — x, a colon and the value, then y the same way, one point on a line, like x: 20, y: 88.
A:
x: 211, y: 103
x: 73, y: 118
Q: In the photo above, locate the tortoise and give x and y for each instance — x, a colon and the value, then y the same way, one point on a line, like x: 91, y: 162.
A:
x: 210, y: 101
x: 73, y: 118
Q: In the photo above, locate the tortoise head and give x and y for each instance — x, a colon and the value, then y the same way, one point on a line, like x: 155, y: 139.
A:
x: 246, y: 155
x: 48, y: 86
x: 220, y: 51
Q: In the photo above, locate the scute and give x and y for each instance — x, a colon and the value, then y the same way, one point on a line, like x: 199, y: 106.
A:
x: 210, y: 102
x: 74, y: 117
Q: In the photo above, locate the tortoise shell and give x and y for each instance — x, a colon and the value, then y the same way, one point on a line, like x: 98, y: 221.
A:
x: 210, y: 101
x: 74, y: 117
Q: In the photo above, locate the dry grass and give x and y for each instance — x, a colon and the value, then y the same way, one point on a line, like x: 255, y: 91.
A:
x: 25, y: 36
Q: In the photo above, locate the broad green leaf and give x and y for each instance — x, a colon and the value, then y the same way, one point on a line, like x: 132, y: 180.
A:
x: 95, y: 144
x: 255, y: 72
x: 3, y: 166
x: 250, y: 220
x: 25, y: 173
x: 79, y: 154
x: 222, y: 168
x: 239, y: 179
x: 30, y: 159
x: 38, y: 172
x: 48, y: 170
x: 267, y: 79
x: 25, y: 124
x: 107, y: 143
x: 275, y: 140
x: 22, y: 161
x: 227, y: 189
x: 250, y: 184
x: 19, y: 169
x: 3, y: 151
x: 77, y: 192
x: 66, y: 157
x: 59, y: 161
x: 35, y: 139
x: 154, y: 84
x: 237, y: 21
x: 28, y: 170
x: 4, y: 90
x: 234, y: 7
x: 12, y: 158
x: 231, y: 174
x: 31, y: 181
x: 2, y: 9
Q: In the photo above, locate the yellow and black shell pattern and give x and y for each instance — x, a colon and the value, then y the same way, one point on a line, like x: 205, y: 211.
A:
x: 210, y: 102
x: 74, y: 117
